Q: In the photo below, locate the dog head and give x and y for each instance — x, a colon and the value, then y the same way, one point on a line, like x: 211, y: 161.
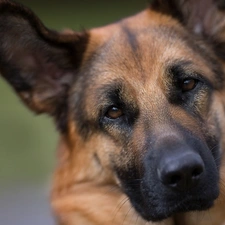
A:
x: 139, y: 102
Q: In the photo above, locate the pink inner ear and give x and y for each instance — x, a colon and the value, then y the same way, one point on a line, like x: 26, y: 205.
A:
x: 53, y: 71
x: 58, y: 77
x: 49, y: 82
x: 35, y: 68
x: 200, y: 15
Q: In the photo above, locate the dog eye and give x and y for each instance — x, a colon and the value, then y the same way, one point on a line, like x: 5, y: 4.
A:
x: 188, y: 84
x: 114, y: 112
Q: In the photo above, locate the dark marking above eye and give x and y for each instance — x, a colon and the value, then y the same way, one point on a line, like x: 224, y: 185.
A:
x: 186, y: 74
x: 178, y: 70
x: 182, y: 79
x: 117, y: 106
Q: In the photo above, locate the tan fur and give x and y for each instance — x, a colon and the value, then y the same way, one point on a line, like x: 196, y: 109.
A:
x: 135, y: 51
x: 83, y: 193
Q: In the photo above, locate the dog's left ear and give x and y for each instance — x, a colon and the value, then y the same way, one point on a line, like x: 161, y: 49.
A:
x: 205, y: 18
x: 39, y: 63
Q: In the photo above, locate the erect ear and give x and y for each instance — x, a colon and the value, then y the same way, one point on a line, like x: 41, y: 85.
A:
x: 39, y: 63
x: 205, y: 18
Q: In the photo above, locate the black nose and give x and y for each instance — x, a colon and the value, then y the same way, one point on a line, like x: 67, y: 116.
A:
x: 181, y: 171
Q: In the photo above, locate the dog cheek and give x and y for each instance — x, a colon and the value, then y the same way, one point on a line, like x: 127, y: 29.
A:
x: 214, y: 129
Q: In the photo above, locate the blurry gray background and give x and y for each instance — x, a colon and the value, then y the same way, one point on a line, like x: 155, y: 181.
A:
x: 28, y: 142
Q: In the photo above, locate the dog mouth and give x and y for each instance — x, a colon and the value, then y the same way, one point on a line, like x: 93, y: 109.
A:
x: 163, y: 211
x: 155, y: 201
x: 156, y: 207
x: 174, y: 177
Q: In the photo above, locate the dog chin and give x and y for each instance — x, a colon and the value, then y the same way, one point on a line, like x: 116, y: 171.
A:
x: 165, y: 212
x: 161, y: 212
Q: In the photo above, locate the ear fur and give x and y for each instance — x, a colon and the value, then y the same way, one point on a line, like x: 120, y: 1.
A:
x: 39, y: 63
x: 198, y: 15
x: 205, y: 18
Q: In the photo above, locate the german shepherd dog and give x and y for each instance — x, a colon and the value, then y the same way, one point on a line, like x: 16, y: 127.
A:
x: 140, y: 106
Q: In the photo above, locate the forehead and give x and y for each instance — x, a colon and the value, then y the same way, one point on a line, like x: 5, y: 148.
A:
x: 143, y: 46
x: 127, y: 62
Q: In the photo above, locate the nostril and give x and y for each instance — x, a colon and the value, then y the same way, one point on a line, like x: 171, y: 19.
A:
x: 174, y: 179
x: 197, y: 172
x: 182, y: 171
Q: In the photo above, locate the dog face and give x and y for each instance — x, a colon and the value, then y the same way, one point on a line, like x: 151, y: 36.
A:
x: 152, y: 98
x: 139, y: 102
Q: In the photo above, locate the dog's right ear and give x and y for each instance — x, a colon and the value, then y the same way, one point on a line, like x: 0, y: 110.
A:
x: 39, y: 63
x: 204, y: 18
x: 199, y: 16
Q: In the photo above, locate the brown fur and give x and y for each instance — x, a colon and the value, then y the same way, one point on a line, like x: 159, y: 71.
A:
x: 136, y: 55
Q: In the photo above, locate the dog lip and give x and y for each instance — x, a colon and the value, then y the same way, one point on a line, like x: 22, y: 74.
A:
x: 158, y: 207
x: 181, y: 207
x: 158, y: 212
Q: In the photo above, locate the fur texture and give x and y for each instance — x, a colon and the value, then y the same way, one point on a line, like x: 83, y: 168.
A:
x: 140, y: 109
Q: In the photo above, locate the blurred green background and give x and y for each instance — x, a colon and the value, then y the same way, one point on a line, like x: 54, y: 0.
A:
x: 28, y: 142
